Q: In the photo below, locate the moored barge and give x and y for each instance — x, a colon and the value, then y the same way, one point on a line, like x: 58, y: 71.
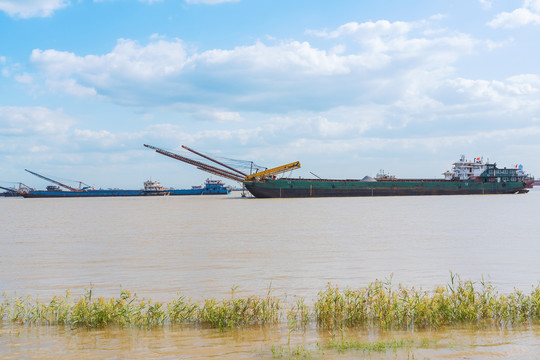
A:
x: 466, y: 177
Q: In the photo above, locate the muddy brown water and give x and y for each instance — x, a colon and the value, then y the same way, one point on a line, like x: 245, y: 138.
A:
x: 203, y: 246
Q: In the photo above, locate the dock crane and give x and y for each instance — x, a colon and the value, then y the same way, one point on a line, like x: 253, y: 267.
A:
x: 231, y: 173
x: 55, y: 182
x: 21, y: 190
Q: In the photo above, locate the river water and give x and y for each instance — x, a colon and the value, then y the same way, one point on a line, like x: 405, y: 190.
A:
x: 203, y: 246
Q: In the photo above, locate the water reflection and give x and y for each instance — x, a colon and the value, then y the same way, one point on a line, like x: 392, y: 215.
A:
x: 46, y: 342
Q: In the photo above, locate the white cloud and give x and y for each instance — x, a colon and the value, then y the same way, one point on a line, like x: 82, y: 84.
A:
x: 129, y: 63
x: 222, y: 116
x: 71, y: 87
x: 127, y: 60
x: 368, y: 30
x: 517, y: 92
x: 10, y: 68
x: 32, y: 8
x: 534, y: 5
x: 286, y: 57
x: 363, y: 62
x: 33, y: 120
x: 24, y: 78
x: 384, y: 41
x: 529, y: 14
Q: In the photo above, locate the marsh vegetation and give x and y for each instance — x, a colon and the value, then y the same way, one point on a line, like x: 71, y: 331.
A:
x: 380, y: 306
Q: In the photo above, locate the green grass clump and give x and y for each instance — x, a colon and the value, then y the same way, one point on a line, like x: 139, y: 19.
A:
x: 239, y: 312
x: 460, y: 302
x: 25, y: 310
x: 128, y: 310
x: 298, y: 316
x: 182, y: 311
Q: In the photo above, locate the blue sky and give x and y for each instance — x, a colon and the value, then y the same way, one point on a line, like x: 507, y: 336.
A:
x: 345, y: 87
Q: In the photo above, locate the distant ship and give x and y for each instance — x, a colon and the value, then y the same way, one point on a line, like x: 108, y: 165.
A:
x: 211, y: 187
x: 151, y: 188
x: 466, y: 177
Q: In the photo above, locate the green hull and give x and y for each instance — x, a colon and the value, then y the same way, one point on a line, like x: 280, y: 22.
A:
x: 299, y: 188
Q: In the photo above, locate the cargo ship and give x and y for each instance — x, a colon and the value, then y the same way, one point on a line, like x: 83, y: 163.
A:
x: 151, y: 188
x: 466, y: 177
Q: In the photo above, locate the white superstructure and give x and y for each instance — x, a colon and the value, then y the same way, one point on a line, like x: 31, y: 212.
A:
x: 150, y: 185
x: 466, y: 169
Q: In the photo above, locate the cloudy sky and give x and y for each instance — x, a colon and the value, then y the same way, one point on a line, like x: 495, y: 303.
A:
x: 346, y: 87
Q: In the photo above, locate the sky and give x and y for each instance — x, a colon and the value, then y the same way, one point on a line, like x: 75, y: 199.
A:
x: 346, y: 87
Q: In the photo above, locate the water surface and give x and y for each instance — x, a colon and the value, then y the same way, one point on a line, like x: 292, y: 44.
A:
x: 203, y: 246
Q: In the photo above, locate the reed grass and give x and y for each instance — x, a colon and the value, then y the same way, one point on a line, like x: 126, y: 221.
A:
x: 460, y: 302
x: 128, y: 310
x: 298, y: 316
x: 232, y: 312
x: 377, y: 305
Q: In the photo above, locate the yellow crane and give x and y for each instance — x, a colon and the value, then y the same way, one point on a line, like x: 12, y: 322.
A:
x: 258, y: 176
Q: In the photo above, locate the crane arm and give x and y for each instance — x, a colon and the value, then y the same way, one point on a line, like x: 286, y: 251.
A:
x: 8, y: 189
x: 274, y: 171
x: 217, y: 162
x: 198, y: 164
x: 53, y: 181
x: 222, y: 173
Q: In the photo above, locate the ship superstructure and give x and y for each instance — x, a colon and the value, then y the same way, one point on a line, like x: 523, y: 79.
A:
x: 465, y: 169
